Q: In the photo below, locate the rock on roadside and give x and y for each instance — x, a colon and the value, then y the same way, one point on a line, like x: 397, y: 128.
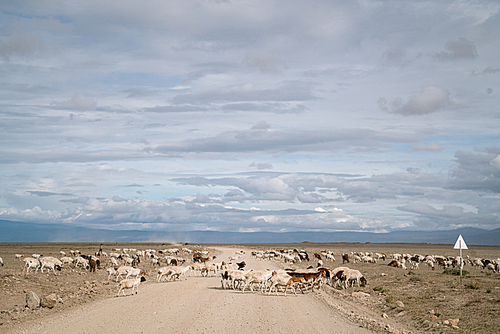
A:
x: 32, y: 300
x: 49, y: 301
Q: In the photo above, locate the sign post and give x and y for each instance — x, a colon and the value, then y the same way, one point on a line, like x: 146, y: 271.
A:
x: 460, y: 244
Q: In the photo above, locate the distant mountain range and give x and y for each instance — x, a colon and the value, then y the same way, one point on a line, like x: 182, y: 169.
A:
x: 11, y: 231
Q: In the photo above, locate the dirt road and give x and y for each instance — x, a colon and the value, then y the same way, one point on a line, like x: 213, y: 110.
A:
x: 198, y: 305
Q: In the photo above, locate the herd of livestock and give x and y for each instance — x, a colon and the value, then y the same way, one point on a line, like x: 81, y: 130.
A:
x: 124, y: 266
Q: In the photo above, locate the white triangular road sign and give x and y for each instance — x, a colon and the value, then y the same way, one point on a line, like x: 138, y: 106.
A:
x: 460, y: 244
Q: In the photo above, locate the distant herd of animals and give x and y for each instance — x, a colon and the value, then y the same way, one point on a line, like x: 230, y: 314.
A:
x: 124, y: 266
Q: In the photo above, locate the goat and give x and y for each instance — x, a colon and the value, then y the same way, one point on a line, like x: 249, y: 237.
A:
x: 30, y: 262
x: 233, y: 276
x: 50, y: 263
x: 336, y: 274
x: 257, y: 276
x: 397, y: 264
x: 351, y: 275
x: 111, y: 272
x: 80, y: 260
x: 92, y: 265
x: 123, y: 270
x: 135, y: 272
x: 345, y: 258
x: 179, y: 271
x: 113, y: 261
x: 131, y: 283
x: 279, y: 279
x: 163, y: 271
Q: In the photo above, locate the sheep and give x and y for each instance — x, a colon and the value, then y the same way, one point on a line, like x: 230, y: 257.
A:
x: 66, y: 260
x: 36, y: 256
x: 1, y: 261
x: 18, y: 256
x: 351, y: 275
x: 30, y: 262
x: 131, y: 283
x: 50, y: 263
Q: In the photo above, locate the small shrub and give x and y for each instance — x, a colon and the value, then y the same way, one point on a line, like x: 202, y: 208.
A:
x: 411, y: 273
x: 414, y: 279
x: 389, y: 299
x: 380, y: 289
x: 450, y: 271
x: 488, y: 291
x: 473, y: 286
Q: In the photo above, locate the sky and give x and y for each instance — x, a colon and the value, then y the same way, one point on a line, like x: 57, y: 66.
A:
x: 246, y: 116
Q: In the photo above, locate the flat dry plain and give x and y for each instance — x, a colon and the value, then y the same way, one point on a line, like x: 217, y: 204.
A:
x: 394, y: 301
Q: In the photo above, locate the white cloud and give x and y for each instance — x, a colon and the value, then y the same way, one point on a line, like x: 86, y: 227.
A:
x: 459, y: 49
x: 432, y: 147
x: 496, y: 162
x: 265, y: 61
x: 427, y: 101
x: 77, y: 102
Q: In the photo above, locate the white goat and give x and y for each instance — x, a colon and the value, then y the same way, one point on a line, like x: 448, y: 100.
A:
x: 50, y: 263
x: 257, y: 276
x: 135, y: 272
x: 351, y: 275
x: 123, y: 270
x: 30, y: 262
x: 111, y: 272
x: 131, y: 283
x: 163, y: 271
x: 279, y: 279
x: 179, y: 271
x: 81, y: 261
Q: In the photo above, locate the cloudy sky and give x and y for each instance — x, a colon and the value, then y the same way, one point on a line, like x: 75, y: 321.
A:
x: 251, y: 115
